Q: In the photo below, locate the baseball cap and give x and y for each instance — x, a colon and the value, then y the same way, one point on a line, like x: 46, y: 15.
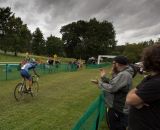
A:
x: 121, y: 60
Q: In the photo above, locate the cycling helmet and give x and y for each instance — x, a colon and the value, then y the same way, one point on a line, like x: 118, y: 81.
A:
x: 32, y: 60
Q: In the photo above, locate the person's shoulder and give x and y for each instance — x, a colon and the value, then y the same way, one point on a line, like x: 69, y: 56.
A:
x: 31, y: 64
x: 152, y: 81
x: 124, y: 73
x: 132, y: 69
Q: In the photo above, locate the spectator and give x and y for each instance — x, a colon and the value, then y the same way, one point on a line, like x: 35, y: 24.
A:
x: 144, y: 100
x: 50, y: 64
x: 50, y: 61
x: 57, y: 63
x: 116, y: 90
x: 76, y: 63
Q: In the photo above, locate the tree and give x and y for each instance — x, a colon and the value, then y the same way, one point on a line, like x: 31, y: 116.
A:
x: 70, y: 36
x: 133, y: 51
x: 118, y: 50
x: 102, y: 37
x: 26, y: 39
x: 14, y: 35
x: 85, y: 39
x: 5, y: 15
x: 18, y: 35
x: 151, y: 42
x: 38, y: 42
x: 54, y: 45
x: 158, y: 41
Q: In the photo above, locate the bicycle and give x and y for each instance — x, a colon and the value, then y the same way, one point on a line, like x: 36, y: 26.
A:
x: 21, y: 89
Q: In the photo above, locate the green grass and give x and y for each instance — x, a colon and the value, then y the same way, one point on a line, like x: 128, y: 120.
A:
x: 10, y: 58
x: 21, y: 56
x: 62, y: 99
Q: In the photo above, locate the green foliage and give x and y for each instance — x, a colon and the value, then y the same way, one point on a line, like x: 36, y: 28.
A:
x: 118, y: 50
x: 10, y: 58
x: 85, y: 39
x: 59, y: 99
x: 54, y: 45
x: 59, y: 105
x: 38, y: 43
x: 133, y: 52
x: 81, y: 39
x: 19, y: 35
x: 5, y: 14
x: 21, y: 56
x: 14, y: 34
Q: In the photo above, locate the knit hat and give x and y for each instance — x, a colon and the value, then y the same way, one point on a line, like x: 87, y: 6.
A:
x: 121, y: 60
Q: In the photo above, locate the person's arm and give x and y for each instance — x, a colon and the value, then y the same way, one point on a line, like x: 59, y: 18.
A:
x: 134, y: 100
x: 35, y: 72
x: 121, y: 80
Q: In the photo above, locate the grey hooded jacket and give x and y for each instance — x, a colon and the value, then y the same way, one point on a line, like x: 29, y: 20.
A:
x: 116, y: 89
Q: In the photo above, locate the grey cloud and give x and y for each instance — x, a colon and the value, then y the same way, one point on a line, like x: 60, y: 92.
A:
x: 89, y: 8
x: 147, y: 31
x: 60, y: 6
x: 19, y: 5
x: 145, y: 16
x: 3, y: 1
x: 132, y: 19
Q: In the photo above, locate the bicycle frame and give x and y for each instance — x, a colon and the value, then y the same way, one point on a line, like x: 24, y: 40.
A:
x: 21, y: 88
x: 24, y: 88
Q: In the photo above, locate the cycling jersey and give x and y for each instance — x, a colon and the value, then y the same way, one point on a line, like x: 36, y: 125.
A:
x: 28, y: 66
x: 25, y: 70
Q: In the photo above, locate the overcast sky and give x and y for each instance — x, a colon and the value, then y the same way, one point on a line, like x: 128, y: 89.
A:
x: 133, y: 20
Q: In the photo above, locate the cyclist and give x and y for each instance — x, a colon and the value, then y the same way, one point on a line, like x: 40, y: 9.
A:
x: 30, y: 65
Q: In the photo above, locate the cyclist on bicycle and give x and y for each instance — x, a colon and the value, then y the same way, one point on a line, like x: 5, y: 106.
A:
x: 30, y: 65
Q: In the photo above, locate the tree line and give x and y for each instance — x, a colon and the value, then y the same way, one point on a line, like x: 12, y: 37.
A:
x: 134, y: 50
x: 16, y: 37
x: 81, y: 39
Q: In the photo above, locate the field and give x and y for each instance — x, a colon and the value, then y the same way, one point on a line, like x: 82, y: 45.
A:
x: 62, y: 100
x: 10, y: 58
x: 21, y: 56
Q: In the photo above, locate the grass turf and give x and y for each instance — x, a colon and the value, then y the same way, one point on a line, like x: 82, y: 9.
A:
x: 62, y: 100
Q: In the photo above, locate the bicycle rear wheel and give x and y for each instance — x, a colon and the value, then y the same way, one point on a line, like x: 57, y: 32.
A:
x: 35, y: 88
x: 18, y: 92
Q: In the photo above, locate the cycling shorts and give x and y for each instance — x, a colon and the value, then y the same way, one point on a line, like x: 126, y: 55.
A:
x: 25, y: 74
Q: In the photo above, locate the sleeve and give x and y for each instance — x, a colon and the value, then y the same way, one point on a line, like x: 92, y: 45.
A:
x: 105, y: 79
x: 121, y: 80
x: 149, y: 91
x: 33, y: 66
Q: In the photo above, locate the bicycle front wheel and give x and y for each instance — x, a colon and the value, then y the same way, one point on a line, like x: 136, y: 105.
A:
x: 35, y: 88
x: 18, y: 92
